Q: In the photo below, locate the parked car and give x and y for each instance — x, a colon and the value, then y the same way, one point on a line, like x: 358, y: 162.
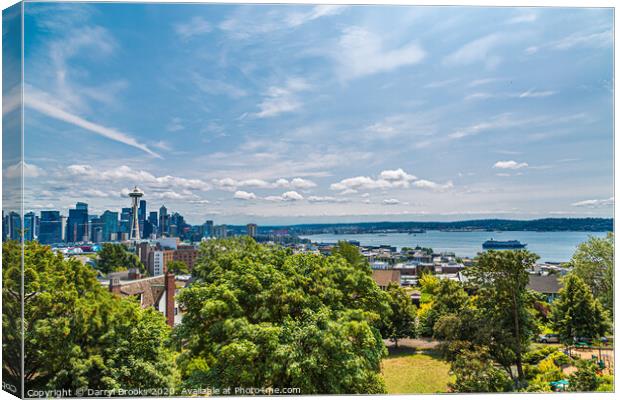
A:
x: 549, y: 338
x: 588, y: 340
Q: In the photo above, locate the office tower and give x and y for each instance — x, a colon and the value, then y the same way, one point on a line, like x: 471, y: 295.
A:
x: 163, y: 219
x: 125, y: 220
x: 110, y: 224
x: 220, y: 231
x: 15, y: 226
x: 147, y: 230
x: 77, y: 224
x: 208, y: 228
x: 153, y: 218
x: 142, y: 216
x: 251, y: 228
x: 51, y: 228
x: 29, y: 226
x: 96, y: 230
x: 63, y: 227
x: 135, y: 195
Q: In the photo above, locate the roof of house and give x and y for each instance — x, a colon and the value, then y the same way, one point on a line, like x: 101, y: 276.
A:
x: 151, y: 289
x: 545, y: 283
x: 383, y: 277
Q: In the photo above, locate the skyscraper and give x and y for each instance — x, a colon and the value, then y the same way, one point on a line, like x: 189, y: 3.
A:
x: 153, y: 218
x: 208, y: 229
x: 110, y: 224
x: 251, y: 228
x: 50, y: 230
x: 163, y: 221
x: 96, y: 230
x: 29, y: 226
x: 135, y: 195
x: 77, y: 223
x: 142, y: 216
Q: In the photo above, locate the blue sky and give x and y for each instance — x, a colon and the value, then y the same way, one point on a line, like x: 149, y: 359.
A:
x: 282, y: 114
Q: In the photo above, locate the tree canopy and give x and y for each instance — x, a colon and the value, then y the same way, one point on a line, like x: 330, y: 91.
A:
x: 177, y: 267
x: 401, y: 321
x: 77, y: 334
x: 594, y: 263
x: 261, y: 316
x: 576, y: 313
x: 115, y: 257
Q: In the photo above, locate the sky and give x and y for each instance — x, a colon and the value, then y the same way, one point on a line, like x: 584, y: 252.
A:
x: 280, y: 114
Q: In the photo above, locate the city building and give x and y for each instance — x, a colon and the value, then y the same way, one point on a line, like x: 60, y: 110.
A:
x: 220, y: 231
x: 186, y: 254
x: 110, y: 225
x: 50, y: 229
x: 29, y: 226
x: 77, y: 224
x: 96, y: 230
x: 251, y: 229
x: 158, y: 261
x: 163, y: 221
x: 208, y: 229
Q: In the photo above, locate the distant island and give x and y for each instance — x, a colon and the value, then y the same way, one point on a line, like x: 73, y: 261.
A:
x: 536, y: 225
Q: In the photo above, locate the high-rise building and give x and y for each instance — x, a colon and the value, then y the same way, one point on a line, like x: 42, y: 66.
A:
x: 220, y: 231
x: 125, y: 221
x: 163, y: 221
x: 14, y: 225
x: 251, y: 228
x: 110, y: 224
x: 142, y: 216
x: 50, y: 230
x: 135, y: 195
x: 208, y: 229
x: 29, y: 226
x: 77, y: 224
x: 96, y: 229
x: 153, y: 218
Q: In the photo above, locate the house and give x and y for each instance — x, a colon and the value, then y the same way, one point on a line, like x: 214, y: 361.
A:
x: 548, y: 285
x: 157, y: 291
x: 383, y: 277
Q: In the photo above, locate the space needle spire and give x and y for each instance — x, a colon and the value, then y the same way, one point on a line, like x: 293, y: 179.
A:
x: 135, y: 195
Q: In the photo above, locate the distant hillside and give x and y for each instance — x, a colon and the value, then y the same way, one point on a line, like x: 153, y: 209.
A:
x: 538, y: 225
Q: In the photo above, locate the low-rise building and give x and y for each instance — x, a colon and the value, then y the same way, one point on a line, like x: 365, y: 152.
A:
x: 383, y: 277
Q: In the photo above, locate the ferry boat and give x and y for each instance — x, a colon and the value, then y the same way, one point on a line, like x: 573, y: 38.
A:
x: 499, y: 245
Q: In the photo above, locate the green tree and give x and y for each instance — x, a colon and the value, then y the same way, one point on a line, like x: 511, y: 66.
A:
x: 77, y: 334
x: 506, y: 305
x: 178, y: 267
x: 351, y: 253
x: 260, y: 316
x: 594, y: 263
x: 585, y: 379
x: 576, y: 313
x: 401, y: 321
x: 115, y: 257
x: 474, y: 372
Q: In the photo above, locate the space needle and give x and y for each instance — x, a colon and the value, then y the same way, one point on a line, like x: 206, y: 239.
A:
x: 135, y: 195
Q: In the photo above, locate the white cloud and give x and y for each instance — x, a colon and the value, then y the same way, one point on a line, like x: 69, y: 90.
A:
x: 38, y: 101
x: 478, y: 50
x: 28, y: 171
x: 141, y: 177
x: 523, y: 17
x: 286, y: 196
x: 217, y: 87
x: 596, y: 203
x: 298, y: 18
x: 361, y: 52
x: 426, y: 184
x: 284, y: 99
x: 242, y: 195
x: 578, y: 39
x: 326, y: 199
x: 387, y: 179
x: 533, y: 93
x: 176, y: 124
x: 391, y: 201
x: 95, y: 193
x: 231, y: 184
x: 510, y: 165
x: 194, y: 27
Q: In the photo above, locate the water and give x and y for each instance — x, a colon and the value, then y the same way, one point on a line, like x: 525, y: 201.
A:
x: 550, y: 246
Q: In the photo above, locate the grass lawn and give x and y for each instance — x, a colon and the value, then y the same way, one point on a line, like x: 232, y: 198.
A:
x: 409, y: 372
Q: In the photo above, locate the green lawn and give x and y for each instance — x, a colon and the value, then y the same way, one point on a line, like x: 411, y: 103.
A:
x: 415, y: 373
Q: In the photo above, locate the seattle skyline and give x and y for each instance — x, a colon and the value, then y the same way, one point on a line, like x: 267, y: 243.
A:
x: 291, y: 114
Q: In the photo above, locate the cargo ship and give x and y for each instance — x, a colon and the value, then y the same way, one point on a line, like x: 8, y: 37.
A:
x: 503, y: 245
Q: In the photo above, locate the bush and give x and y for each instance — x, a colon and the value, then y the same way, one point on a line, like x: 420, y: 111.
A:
x: 606, y: 384
x: 536, y: 356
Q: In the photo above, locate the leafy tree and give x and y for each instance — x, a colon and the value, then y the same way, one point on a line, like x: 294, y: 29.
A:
x: 594, y: 263
x: 76, y: 333
x: 447, y: 297
x: 505, y: 304
x: 585, y: 379
x: 115, y: 257
x: 474, y: 372
x: 178, y: 267
x: 576, y: 313
x: 401, y: 322
x: 261, y: 316
x: 351, y: 253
